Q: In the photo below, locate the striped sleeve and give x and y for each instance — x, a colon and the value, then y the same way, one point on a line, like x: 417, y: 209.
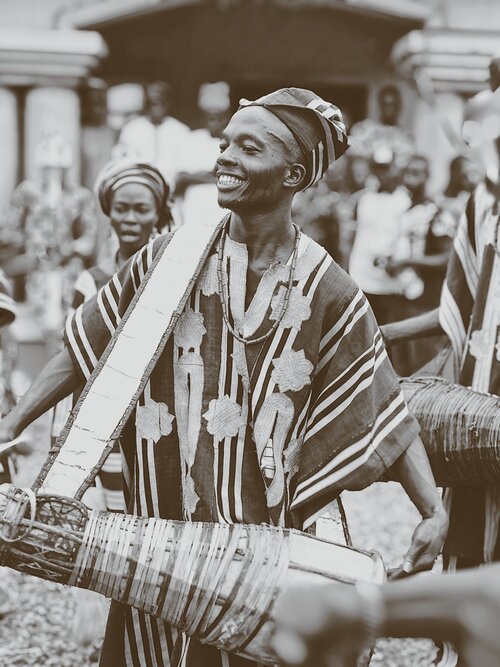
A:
x: 358, y: 424
x: 460, y: 285
x: 90, y: 328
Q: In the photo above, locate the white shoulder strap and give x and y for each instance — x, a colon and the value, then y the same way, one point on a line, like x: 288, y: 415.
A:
x: 119, y: 378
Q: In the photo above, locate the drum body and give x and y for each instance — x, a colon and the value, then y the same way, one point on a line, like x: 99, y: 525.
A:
x: 460, y: 429
x: 215, y: 582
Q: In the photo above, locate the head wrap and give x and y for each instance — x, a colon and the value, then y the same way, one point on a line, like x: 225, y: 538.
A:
x: 121, y: 172
x: 316, y: 125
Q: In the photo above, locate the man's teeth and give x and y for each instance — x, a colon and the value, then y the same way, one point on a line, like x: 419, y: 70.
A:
x: 224, y: 179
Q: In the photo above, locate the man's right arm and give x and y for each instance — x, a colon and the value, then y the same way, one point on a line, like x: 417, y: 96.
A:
x: 57, y: 380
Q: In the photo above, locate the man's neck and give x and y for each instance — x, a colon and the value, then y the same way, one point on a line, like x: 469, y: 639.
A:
x: 269, y: 235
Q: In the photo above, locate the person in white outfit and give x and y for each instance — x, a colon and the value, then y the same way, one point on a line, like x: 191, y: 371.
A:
x: 156, y: 137
x: 196, y: 180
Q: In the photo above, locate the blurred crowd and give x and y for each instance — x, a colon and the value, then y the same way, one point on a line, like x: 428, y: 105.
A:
x: 375, y: 212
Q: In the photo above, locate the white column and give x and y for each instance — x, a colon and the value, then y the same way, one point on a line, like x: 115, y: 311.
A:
x: 10, y: 143
x: 51, y: 109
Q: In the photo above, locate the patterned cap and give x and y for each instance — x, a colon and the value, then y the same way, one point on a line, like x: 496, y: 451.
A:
x: 121, y: 172
x: 316, y: 125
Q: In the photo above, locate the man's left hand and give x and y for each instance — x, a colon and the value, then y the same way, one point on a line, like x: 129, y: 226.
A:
x: 426, y: 544
x: 413, y: 471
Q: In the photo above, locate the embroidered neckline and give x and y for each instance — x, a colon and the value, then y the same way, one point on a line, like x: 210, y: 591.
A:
x: 223, y: 288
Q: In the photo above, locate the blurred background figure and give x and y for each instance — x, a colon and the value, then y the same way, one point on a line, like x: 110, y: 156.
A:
x: 326, y: 211
x: 9, y: 458
x: 389, y: 103
x: 156, y: 137
x: 195, y: 183
x: 48, y: 234
x: 464, y: 176
x: 419, y: 262
x: 7, y: 397
x: 378, y: 221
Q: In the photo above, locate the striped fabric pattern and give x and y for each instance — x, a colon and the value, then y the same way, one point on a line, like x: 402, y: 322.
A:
x: 470, y: 316
x: 224, y: 433
x: 88, y: 285
x: 469, y: 309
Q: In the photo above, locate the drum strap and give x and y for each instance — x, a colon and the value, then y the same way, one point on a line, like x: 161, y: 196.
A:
x: 123, y: 370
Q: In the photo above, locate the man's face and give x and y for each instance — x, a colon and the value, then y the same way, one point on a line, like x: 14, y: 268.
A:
x: 415, y: 175
x: 257, y: 150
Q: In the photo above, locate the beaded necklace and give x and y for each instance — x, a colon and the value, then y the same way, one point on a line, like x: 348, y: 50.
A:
x: 224, y: 291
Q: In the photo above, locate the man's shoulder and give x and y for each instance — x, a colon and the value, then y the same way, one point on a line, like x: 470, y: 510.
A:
x: 336, y: 285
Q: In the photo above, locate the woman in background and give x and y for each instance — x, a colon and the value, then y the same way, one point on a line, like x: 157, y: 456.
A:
x: 134, y: 196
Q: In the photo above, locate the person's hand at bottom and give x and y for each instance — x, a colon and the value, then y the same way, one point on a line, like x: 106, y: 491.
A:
x: 320, y: 626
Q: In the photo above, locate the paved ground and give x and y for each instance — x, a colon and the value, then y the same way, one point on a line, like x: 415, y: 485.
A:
x: 41, y: 630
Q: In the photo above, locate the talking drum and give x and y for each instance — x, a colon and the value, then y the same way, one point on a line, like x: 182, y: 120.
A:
x: 216, y: 582
x: 460, y: 429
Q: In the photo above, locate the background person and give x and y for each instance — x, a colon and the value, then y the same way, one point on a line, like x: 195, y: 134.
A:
x: 419, y: 262
x: 378, y: 223
x: 50, y: 224
x: 195, y: 183
x: 465, y: 175
x: 156, y: 137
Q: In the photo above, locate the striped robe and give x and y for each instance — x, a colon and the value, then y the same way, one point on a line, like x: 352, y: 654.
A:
x: 110, y: 476
x: 225, y: 432
x: 470, y: 315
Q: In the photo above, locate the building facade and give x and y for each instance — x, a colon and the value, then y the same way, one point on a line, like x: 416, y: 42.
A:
x: 347, y: 50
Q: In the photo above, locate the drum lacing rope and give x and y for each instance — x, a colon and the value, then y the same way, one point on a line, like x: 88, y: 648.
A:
x: 179, y: 571
x: 13, y: 514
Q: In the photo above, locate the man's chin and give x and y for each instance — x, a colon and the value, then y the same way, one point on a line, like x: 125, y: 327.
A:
x: 228, y: 202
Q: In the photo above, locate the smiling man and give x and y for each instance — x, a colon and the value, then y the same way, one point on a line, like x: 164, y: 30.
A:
x: 274, y: 393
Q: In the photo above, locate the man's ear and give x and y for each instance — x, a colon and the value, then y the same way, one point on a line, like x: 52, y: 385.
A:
x: 294, y: 176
